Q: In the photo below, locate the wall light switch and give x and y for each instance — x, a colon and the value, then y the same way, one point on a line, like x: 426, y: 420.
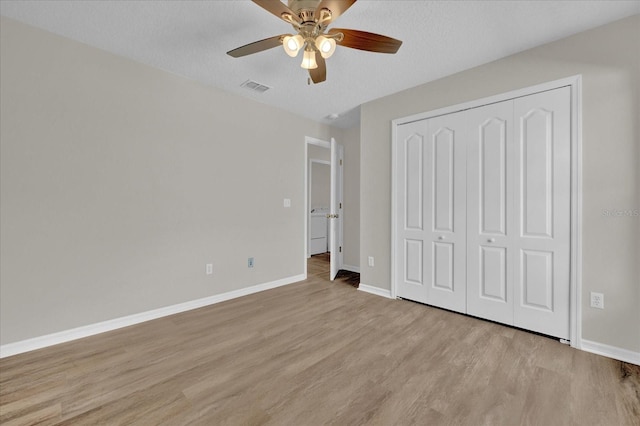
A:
x: 287, y: 202
x: 209, y: 268
x: 371, y: 262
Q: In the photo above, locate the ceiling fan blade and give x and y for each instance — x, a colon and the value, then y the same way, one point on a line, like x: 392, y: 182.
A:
x: 337, y: 8
x: 257, y: 46
x: 363, y: 40
x: 318, y: 75
x: 277, y: 8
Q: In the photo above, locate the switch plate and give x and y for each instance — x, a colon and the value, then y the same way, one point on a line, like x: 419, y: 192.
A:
x: 250, y: 262
x: 287, y: 202
x: 371, y: 262
x: 597, y: 300
x: 209, y: 269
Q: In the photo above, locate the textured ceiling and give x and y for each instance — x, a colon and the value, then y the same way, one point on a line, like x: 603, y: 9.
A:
x: 191, y: 38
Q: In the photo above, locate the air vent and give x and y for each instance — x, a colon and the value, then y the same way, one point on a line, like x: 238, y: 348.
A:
x: 256, y: 87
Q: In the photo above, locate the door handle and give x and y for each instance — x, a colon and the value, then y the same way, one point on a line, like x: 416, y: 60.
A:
x: 491, y: 240
x: 441, y: 237
x: 332, y: 216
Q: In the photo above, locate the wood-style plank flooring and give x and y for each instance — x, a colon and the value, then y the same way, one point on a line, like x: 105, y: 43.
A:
x: 317, y: 353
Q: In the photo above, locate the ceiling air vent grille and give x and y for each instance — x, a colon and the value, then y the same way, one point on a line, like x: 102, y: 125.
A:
x: 254, y: 86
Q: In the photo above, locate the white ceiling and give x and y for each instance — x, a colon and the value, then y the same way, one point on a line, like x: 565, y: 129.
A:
x: 191, y: 38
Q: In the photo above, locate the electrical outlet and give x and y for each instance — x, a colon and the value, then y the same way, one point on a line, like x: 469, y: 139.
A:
x: 250, y: 262
x: 209, y: 269
x: 597, y: 300
x: 371, y: 262
x: 287, y: 202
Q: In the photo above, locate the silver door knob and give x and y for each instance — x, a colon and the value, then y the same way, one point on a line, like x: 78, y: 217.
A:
x: 441, y: 237
x: 491, y: 240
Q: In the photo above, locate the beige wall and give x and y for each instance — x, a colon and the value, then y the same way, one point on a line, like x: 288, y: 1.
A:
x: 318, y: 153
x: 119, y: 182
x: 320, y: 185
x: 609, y: 60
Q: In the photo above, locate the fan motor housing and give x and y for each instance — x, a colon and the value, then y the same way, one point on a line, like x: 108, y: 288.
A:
x: 305, y: 9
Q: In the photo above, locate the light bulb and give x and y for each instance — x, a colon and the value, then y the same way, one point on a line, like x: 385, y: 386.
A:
x: 326, y: 46
x: 292, y: 44
x: 309, y: 59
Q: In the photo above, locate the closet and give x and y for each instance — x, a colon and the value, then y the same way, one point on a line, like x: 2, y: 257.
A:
x: 483, y: 211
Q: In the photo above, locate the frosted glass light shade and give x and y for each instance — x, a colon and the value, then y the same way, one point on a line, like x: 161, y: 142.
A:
x: 292, y: 44
x: 326, y: 46
x: 309, y: 60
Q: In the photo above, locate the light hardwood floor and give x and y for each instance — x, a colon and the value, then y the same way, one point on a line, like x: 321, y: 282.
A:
x: 316, y: 353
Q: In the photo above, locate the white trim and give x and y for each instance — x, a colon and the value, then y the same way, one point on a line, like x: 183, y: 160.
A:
x: 306, y: 249
x: 575, y: 82
x: 318, y: 142
x: 394, y: 205
x: 114, y: 324
x: 351, y: 268
x: 375, y: 290
x: 614, y: 352
x: 513, y: 94
x: 575, y: 270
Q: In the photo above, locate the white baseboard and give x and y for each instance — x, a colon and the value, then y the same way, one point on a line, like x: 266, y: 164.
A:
x: 351, y: 268
x: 375, y: 290
x: 101, y: 327
x: 611, y: 351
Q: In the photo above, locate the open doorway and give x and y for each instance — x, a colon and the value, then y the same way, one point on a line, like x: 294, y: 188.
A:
x: 323, y: 201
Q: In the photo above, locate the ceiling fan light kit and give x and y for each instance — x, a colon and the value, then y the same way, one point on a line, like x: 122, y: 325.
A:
x: 309, y: 60
x: 310, y: 18
x: 326, y: 45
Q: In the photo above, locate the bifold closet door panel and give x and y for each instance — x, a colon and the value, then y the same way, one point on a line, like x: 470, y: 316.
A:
x: 542, y: 211
x: 431, y: 211
x: 490, y: 229
x: 445, y: 211
x: 411, y: 159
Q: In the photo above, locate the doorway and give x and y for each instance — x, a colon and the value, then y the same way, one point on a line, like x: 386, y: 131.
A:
x: 323, y: 228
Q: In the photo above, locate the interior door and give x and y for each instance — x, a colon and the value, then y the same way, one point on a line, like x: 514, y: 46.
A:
x: 431, y: 205
x: 445, y: 212
x: 542, y: 211
x: 490, y: 230
x: 411, y: 234
x: 335, y: 214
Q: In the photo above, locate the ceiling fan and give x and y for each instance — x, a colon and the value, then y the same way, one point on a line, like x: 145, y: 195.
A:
x: 310, y: 19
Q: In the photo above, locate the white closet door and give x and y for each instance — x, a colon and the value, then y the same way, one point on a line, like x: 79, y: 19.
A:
x: 489, y: 236
x: 445, y: 211
x: 489, y: 212
x: 542, y: 212
x: 430, y: 247
x: 411, y: 152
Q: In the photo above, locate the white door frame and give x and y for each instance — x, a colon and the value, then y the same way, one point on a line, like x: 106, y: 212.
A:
x: 323, y: 144
x: 575, y: 82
